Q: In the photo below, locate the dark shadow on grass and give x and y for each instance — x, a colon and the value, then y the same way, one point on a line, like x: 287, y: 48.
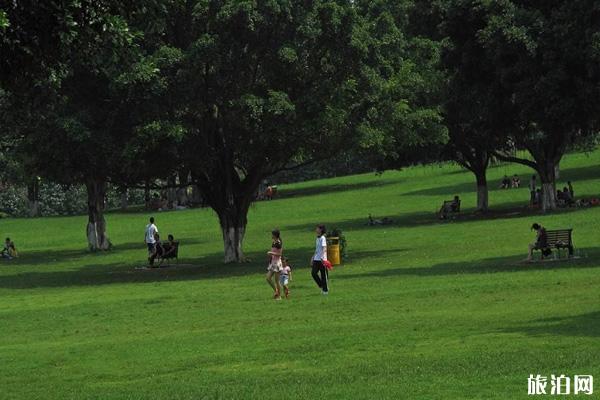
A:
x: 420, y: 218
x: 341, y: 187
x: 577, y: 325
x: 485, y: 266
x: 570, y: 174
x: 45, y: 256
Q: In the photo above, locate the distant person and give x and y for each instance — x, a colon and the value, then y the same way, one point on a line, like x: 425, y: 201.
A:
x: 537, y: 197
x: 516, y: 181
x: 505, y: 184
x: 150, y: 236
x: 532, y: 190
x: 571, y: 191
x: 450, y: 207
x: 275, y: 266
x: 285, y: 277
x: 541, y: 241
x: 560, y: 199
x: 269, y: 193
x: 320, y: 255
x: 567, y: 196
x: 9, y: 251
x: 169, y: 246
x: 158, y: 250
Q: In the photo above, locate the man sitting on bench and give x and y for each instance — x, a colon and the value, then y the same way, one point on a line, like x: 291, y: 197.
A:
x: 449, y: 207
x: 541, y: 242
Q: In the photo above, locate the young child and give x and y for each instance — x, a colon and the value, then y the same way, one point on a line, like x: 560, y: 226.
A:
x: 285, y: 277
x: 274, y: 263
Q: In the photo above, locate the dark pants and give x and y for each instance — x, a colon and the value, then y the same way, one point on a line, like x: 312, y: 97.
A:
x: 318, y: 267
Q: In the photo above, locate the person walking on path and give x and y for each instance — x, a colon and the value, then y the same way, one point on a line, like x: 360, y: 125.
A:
x: 318, y: 268
x: 150, y: 237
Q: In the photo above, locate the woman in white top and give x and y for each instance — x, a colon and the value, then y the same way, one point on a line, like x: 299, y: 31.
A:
x: 317, y: 260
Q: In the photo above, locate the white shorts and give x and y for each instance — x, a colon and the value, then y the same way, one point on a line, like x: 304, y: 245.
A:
x: 284, y: 280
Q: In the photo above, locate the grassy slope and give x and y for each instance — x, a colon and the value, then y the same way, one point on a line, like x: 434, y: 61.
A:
x: 421, y: 309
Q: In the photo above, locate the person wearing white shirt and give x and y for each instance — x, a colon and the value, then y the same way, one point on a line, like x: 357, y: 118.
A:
x: 150, y: 236
x: 318, y: 268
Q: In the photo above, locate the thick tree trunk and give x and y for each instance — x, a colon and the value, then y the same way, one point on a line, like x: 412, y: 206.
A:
x: 147, y: 195
x: 124, y: 200
x: 482, y: 192
x: 96, y: 227
x: 196, y: 196
x: 546, y: 171
x: 172, y: 192
x: 33, y: 197
x: 233, y: 238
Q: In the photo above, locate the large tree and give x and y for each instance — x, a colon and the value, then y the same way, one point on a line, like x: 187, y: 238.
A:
x: 260, y: 87
x: 69, y: 111
x: 547, y: 59
x: 477, y: 109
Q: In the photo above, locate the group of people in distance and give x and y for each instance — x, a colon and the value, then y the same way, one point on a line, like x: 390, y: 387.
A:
x: 565, y: 197
x: 9, y: 251
x: 279, y: 270
x: 157, y: 248
x: 508, y: 183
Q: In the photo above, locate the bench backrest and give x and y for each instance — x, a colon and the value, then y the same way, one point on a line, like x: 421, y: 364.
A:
x: 450, y: 203
x: 559, y: 236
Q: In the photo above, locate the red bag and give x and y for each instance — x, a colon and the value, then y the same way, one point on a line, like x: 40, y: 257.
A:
x: 327, y: 264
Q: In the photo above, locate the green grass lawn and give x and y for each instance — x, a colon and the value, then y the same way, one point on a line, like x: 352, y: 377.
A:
x: 421, y: 309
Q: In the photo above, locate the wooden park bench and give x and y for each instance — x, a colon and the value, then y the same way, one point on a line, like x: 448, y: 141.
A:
x: 560, y: 239
x: 169, y: 254
x: 449, y: 208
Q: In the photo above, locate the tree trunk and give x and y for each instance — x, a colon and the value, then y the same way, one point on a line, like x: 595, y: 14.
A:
x: 546, y: 171
x: 147, y: 194
x: 171, y: 192
x: 33, y: 197
x: 196, y: 196
x: 124, y: 200
x: 96, y: 227
x: 482, y: 192
x: 233, y: 230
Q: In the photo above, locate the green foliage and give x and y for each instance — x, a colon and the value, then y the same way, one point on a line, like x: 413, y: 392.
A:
x: 4, y: 22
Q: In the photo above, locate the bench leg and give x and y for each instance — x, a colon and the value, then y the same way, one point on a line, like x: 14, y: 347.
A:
x: 571, y: 251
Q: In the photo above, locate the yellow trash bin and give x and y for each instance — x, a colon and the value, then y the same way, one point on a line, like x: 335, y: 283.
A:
x: 333, y: 250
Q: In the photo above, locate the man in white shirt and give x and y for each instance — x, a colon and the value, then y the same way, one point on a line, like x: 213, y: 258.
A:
x: 317, y: 260
x: 150, y: 239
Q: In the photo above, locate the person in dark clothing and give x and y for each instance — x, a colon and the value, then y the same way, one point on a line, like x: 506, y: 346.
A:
x: 541, y: 241
x: 318, y: 268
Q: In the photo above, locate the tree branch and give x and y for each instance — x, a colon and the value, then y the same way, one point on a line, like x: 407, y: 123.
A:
x: 522, y: 161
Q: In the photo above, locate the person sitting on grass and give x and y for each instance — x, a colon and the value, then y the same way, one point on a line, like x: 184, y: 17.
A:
x: 9, y: 251
x: 157, y: 252
x: 516, y: 181
x: 169, y: 247
x: 541, y: 242
x: 505, y: 184
x: 567, y: 196
x: 285, y: 277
